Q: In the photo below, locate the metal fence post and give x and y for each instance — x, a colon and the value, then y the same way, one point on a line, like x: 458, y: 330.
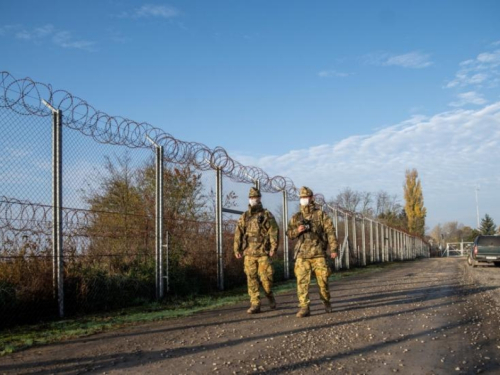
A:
x: 346, y: 233
x: 58, y: 209
x: 400, y: 239
x: 412, y: 242
x: 158, y: 219
x: 218, y: 229
x: 393, y: 244
x: 354, y: 238
x: 409, y: 248
x: 385, y: 245
x: 159, y: 222
x: 404, y: 256
x: 336, y: 221
x: 380, y: 240
x: 286, y: 259
x: 371, y: 241
x: 167, y: 263
x: 389, y: 246
x: 401, y: 236
x: 398, y: 248
x: 363, y: 241
x: 57, y: 233
x: 338, y: 260
x: 404, y: 244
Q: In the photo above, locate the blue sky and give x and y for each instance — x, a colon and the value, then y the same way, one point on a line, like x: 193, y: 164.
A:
x: 329, y: 93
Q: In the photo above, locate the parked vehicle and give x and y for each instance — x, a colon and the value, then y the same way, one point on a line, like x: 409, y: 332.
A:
x: 485, y: 249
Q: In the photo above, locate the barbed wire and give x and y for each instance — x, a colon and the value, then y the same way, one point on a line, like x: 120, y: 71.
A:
x: 26, y: 229
x: 22, y: 215
x: 24, y: 96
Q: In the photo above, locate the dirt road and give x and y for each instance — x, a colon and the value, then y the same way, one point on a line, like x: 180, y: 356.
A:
x: 422, y: 317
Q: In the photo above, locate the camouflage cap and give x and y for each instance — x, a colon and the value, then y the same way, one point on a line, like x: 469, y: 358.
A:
x: 305, y: 192
x: 254, y: 193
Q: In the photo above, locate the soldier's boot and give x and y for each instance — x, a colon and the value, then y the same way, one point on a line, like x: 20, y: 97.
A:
x: 272, y: 302
x: 328, y: 306
x: 254, y: 309
x: 303, y: 312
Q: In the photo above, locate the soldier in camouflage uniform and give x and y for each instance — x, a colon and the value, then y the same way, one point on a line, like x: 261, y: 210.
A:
x: 257, y: 237
x: 315, y: 232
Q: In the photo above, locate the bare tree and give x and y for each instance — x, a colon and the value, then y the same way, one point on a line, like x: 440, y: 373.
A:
x: 348, y: 199
x: 366, y: 203
x: 386, y: 203
x: 452, y: 231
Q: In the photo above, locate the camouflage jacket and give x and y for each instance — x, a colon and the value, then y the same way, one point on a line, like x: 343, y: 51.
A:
x: 257, y: 232
x: 313, y: 242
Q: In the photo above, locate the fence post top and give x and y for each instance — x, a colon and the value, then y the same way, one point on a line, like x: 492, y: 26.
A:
x: 48, y: 105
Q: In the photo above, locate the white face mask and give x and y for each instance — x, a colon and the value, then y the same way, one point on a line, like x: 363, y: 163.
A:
x: 253, y: 201
x: 304, y: 201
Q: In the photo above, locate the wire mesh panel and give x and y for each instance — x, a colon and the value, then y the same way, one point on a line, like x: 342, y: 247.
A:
x: 109, y: 227
x: 26, y: 271
x: 190, y: 221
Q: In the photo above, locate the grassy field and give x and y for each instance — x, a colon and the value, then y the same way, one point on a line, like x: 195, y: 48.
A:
x: 23, y: 337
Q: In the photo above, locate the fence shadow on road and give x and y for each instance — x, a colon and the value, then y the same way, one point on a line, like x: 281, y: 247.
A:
x: 288, y: 308
x: 69, y: 365
x: 137, y: 358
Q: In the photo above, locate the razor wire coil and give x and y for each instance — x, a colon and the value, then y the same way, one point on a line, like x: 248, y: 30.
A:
x: 24, y: 96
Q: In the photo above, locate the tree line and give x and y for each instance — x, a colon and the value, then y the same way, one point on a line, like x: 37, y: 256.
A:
x: 387, y: 208
x: 110, y: 261
x: 453, y: 231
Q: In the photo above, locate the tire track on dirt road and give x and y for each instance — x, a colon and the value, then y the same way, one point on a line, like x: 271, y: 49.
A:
x: 420, y: 317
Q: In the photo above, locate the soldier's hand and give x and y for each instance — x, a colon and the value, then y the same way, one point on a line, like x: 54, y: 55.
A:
x: 238, y: 255
x: 301, y: 228
x: 333, y: 255
x: 271, y: 253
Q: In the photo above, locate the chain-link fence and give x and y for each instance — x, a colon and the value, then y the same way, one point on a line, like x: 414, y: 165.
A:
x: 101, y: 212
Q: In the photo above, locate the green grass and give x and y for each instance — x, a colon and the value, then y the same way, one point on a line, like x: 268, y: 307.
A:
x: 15, y: 339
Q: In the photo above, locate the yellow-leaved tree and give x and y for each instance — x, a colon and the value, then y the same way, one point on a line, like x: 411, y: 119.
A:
x: 414, y: 203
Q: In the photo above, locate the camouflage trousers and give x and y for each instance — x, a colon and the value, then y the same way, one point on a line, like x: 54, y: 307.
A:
x: 258, y: 268
x: 303, y: 270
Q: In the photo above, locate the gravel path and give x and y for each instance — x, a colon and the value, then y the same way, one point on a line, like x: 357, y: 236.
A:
x: 432, y: 316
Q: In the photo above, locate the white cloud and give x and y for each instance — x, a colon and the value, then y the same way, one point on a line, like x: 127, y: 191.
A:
x: 150, y: 10
x: 470, y: 97
x: 19, y: 152
x: 23, y: 34
x: 64, y: 39
x: 332, y: 73
x: 487, y: 57
x: 7, y: 29
x: 117, y: 37
x: 483, y: 71
x: 41, y: 32
x: 46, y: 33
x: 452, y: 151
x: 414, y: 60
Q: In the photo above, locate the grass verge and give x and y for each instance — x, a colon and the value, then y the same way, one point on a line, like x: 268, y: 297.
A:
x: 18, y: 338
